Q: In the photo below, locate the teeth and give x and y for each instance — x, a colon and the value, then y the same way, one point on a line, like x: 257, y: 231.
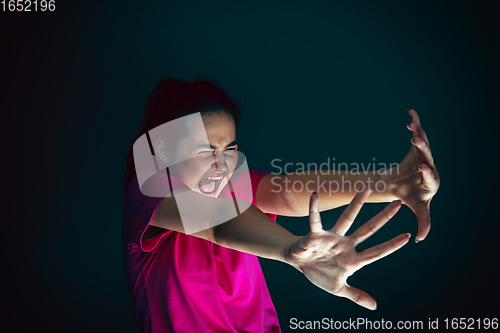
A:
x: 214, y: 178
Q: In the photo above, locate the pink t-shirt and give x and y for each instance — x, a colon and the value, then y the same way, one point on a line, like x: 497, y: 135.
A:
x: 181, y: 283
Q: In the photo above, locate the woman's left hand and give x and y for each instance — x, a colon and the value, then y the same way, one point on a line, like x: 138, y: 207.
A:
x: 417, y: 180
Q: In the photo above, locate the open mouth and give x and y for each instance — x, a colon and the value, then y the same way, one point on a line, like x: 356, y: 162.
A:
x: 210, y: 185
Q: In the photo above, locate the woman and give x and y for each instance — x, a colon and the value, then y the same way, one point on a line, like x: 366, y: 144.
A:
x: 192, y: 227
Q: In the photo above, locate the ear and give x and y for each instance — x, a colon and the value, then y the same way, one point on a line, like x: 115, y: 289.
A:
x: 160, y: 150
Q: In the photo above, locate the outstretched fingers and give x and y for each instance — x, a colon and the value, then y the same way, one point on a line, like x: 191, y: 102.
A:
x: 357, y: 296
x: 424, y: 149
x: 423, y: 220
x: 429, y: 177
x: 349, y: 214
x: 415, y: 120
x: 314, y: 217
x: 375, y: 223
x: 414, y: 116
x: 418, y: 132
x: 379, y: 251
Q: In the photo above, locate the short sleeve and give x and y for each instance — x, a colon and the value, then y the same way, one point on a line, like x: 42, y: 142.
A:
x: 255, y: 177
x: 138, y: 211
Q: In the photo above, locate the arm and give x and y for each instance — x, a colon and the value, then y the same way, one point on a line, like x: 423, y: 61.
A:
x: 414, y: 181
x: 252, y: 231
x: 335, y: 187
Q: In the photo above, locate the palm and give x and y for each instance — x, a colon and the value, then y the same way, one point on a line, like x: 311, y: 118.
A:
x: 323, y: 256
x: 328, y: 257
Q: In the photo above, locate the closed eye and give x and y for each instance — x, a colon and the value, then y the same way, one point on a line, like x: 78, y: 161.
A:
x: 235, y: 147
x: 205, y: 152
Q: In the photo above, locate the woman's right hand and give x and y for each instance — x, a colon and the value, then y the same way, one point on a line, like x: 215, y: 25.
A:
x: 328, y: 257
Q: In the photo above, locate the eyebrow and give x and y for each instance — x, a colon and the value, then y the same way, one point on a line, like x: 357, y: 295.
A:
x: 234, y: 143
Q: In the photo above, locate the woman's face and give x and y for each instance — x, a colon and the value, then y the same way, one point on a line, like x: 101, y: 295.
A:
x: 206, y: 168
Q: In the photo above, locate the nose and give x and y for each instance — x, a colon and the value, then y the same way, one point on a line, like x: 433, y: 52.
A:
x: 219, y: 164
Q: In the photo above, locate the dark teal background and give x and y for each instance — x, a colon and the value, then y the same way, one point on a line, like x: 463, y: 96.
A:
x: 314, y: 79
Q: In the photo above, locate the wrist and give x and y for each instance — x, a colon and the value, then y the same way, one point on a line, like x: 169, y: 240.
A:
x: 389, y: 187
x: 289, y: 249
